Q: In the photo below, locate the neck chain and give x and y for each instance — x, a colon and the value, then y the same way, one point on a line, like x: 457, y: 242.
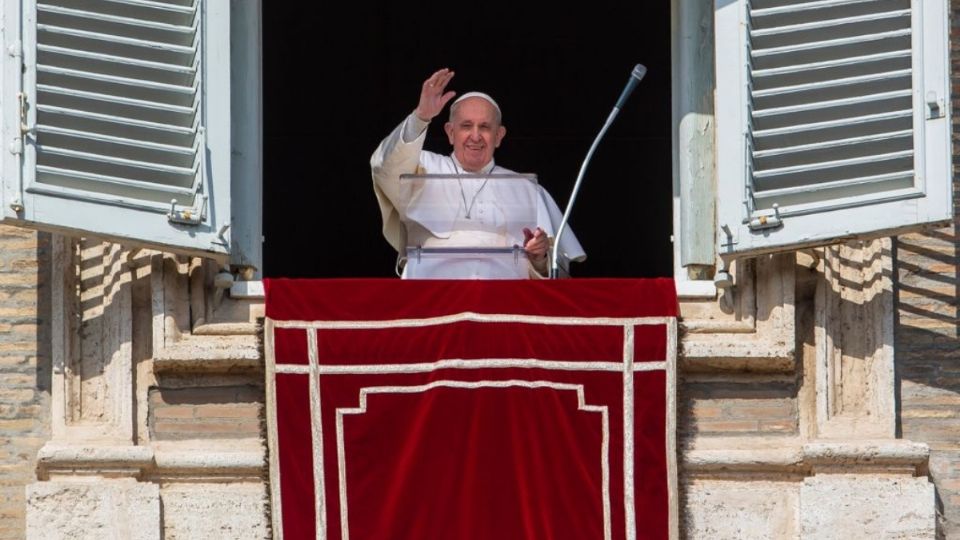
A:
x: 463, y: 195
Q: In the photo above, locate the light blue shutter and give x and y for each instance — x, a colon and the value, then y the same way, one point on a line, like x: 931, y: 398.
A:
x: 126, y: 121
x: 833, y: 120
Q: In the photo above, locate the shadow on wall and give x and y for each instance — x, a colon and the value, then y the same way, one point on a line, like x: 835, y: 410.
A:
x: 928, y: 359
x: 45, y: 311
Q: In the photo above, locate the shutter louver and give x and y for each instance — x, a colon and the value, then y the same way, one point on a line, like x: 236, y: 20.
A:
x: 833, y: 121
x: 118, y: 97
x: 830, y: 103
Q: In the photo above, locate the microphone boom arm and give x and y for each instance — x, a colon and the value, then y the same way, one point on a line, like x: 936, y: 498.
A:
x: 555, y: 252
x: 638, y: 72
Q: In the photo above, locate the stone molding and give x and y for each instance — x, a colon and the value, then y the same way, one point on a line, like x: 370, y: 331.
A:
x: 795, y: 456
x: 161, y: 462
x: 751, y: 326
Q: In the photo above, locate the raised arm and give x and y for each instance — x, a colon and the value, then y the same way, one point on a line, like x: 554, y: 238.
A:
x: 399, y: 152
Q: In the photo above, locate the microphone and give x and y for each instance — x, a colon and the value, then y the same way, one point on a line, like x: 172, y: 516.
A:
x: 635, y: 77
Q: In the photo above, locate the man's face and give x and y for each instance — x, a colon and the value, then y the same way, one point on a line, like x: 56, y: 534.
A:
x: 474, y: 133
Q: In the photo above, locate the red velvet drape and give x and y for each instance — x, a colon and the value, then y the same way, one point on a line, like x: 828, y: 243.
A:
x: 471, y: 427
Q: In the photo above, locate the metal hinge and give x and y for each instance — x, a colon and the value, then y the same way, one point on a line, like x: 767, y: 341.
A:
x: 16, y: 144
x: 24, y: 106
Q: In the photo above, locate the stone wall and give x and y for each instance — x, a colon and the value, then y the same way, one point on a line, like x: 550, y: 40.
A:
x: 928, y: 360
x: 24, y: 369
x: 928, y: 333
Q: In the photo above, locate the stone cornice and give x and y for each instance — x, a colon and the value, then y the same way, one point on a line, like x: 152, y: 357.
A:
x: 795, y: 456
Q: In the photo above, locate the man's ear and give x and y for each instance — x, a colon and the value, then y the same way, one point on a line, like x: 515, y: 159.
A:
x: 448, y: 128
x: 501, y: 132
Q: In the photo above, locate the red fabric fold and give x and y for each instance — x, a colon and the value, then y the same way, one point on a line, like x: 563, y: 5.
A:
x: 376, y: 299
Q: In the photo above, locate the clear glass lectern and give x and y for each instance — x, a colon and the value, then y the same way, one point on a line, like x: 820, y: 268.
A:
x: 467, y: 226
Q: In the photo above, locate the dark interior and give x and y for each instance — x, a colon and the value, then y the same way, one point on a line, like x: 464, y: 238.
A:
x: 334, y: 86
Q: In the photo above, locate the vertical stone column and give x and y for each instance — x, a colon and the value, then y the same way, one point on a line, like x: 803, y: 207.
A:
x: 854, y: 336
x: 856, y: 462
x: 93, y: 463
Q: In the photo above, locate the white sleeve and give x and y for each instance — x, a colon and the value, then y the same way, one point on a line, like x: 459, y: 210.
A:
x: 413, y: 127
x: 395, y: 156
x: 549, y: 218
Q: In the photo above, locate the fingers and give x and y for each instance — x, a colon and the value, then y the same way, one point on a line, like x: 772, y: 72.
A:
x: 432, y: 96
x: 446, y: 97
x: 535, y: 243
x: 438, y: 81
x: 536, y: 237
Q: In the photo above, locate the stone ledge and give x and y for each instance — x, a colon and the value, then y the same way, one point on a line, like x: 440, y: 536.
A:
x: 210, y: 353
x: 105, y: 460
x: 233, y: 459
x: 750, y: 454
x: 209, y: 466
x: 56, y: 454
x: 251, y: 461
x: 896, y: 452
x: 225, y: 329
x: 233, y: 462
x: 767, y: 460
x: 734, y: 352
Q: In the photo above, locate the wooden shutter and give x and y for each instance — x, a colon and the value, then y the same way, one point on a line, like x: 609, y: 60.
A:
x: 124, y: 121
x: 833, y: 120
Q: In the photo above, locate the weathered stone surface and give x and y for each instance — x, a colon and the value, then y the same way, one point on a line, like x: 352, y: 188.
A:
x: 208, y: 510
x: 741, y: 510
x: 844, y: 506
x: 106, y: 509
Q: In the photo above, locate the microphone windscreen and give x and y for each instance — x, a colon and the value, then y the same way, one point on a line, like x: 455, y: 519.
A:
x: 639, y: 71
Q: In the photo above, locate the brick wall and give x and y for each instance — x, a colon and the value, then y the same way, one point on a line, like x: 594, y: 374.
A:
x: 928, y: 359
x: 24, y: 368
x: 732, y: 407
x: 928, y: 334
x: 231, y: 410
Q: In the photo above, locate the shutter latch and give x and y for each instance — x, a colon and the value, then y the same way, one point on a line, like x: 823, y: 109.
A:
x: 766, y: 221
x: 187, y: 216
x: 934, y: 106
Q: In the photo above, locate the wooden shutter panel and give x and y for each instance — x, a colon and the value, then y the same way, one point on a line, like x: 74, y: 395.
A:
x: 127, y: 118
x: 830, y: 135
x: 118, y: 98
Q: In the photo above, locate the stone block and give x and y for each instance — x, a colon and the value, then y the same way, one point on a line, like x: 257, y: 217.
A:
x: 844, y: 506
x: 108, y: 509
x: 215, y: 510
x: 740, y: 510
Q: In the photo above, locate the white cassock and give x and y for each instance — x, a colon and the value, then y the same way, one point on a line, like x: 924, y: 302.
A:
x: 468, y: 212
